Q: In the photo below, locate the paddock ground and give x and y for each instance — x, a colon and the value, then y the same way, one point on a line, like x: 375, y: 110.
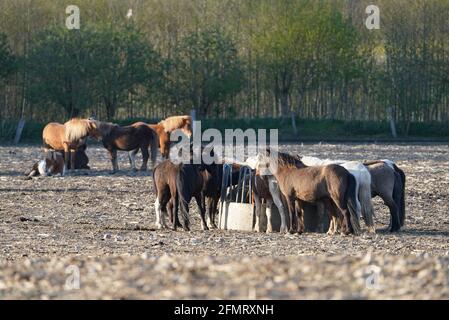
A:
x: 104, y: 225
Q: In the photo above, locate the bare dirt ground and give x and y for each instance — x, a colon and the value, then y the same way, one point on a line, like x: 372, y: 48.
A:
x: 102, y: 226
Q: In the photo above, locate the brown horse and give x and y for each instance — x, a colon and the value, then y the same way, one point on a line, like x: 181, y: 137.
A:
x: 332, y: 184
x: 128, y: 138
x: 68, y: 137
x: 388, y: 182
x: 165, y: 127
x: 164, y: 179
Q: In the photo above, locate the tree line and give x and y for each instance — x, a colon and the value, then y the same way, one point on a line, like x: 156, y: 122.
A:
x: 225, y: 59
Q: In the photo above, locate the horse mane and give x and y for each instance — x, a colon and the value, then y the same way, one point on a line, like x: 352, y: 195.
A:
x: 76, y: 129
x: 175, y: 122
x: 105, y: 128
x: 288, y: 160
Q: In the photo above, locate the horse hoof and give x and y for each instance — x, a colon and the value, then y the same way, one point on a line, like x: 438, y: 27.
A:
x: 371, y: 230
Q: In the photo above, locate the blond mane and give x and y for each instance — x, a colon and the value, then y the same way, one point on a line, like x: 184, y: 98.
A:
x: 76, y: 129
x: 176, y: 122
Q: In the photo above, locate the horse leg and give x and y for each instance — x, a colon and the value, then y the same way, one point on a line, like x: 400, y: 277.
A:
x: 211, y: 204
x: 158, y: 211
x: 113, y: 157
x: 367, y: 207
x: 200, y: 201
x: 214, y: 213
x: 132, y: 159
x: 66, y: 160
x: 268, y: 213
x: 300, y: 215
x: 333, y: 217
x: 170, y: 206
x: 258, y: 206
x: 395, y: 224
x: 276, y: 195
x: 145, y: 157
x: 292, y: 214
x: 72, y: 160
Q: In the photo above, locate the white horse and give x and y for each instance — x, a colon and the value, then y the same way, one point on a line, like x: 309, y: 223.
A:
x: 363, y: 186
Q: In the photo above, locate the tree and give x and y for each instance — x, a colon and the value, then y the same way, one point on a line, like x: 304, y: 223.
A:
x: 7, y: 59
x: 122, y: 60
x: 205, y: 70
x: 59, y: 63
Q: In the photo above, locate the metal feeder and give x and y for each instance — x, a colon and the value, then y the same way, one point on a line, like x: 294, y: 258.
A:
x: 236, y: 212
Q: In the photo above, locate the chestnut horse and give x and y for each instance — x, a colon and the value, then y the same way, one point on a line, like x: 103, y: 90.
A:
x: 68, y: 137
x: 128, y: 138
x: 332, y: 184
x: 165, y: 127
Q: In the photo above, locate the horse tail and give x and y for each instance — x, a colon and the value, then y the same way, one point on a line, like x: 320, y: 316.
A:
x: 366, y: 201
x: 154, y: 182
x: 350, y: 200
x: 183, y: 191
x: 154, y: 143
x: 402, y: 201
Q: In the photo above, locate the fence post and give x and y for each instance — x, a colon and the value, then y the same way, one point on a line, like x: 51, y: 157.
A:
x: 193, y: 116
x: 392, y: 123
x: 19, y: 130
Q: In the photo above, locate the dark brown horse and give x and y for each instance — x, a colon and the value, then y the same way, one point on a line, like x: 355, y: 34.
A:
x: 164, y: 178
x: 129, y: 138
x: 333, y: 185
x: 388, y: 182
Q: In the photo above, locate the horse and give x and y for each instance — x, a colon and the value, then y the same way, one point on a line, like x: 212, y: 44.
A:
x: 332, y: 184
x: 266, y: 189
x: 52, y: 164
x: 197, y: 181
x: 165, y: 127
x: 363, y: 185
x: 164, y: 179
x: 388, y: 182
x: 68, y: 137
x: 128, y: 138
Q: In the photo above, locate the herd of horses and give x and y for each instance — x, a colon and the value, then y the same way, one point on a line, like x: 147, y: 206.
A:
x: 343, y: 190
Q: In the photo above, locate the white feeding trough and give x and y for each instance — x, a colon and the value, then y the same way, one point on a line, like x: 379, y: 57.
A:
x: 236, y: 212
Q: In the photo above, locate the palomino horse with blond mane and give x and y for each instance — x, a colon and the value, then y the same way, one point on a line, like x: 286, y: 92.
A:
x: 68, y: 137
x: 164, y: 128
x: 115, y: 137
x: 332, y: 185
